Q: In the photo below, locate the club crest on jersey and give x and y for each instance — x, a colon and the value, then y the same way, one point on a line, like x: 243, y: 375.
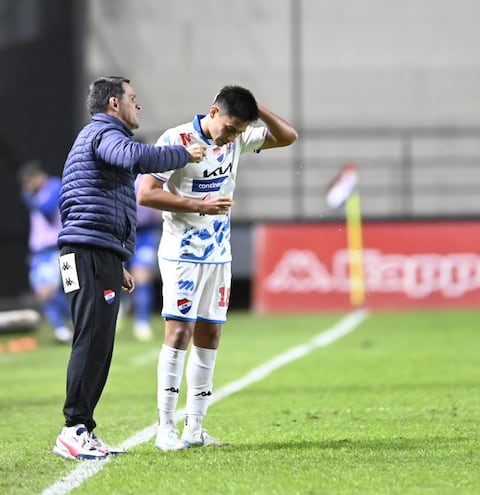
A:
x: 109, y: 296
x: 184, y: 305
x: 221, y: 152
x: 218, y: 154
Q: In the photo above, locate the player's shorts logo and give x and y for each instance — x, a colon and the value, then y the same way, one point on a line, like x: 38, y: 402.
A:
x: 186, y: 285
x: 184, y: 305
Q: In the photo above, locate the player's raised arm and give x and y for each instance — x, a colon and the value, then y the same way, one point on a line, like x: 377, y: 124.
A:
x: 280, y: 132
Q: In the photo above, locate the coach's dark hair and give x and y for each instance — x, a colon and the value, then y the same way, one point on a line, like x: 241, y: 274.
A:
x: 101, y: 90
x: 239, y: 102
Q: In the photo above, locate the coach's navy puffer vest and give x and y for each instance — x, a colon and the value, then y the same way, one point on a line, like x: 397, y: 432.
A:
x: 97, y: 199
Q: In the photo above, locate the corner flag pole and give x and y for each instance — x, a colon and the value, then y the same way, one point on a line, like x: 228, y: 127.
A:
x: 344, y: 191
x: 355, y: 254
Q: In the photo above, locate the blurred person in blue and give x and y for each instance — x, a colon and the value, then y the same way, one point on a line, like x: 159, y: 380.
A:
x: 98, y: 212
x: 40, y: 193
x: 144, y: 268
x: 195, y: 251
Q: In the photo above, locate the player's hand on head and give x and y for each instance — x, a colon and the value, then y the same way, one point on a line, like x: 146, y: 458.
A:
x: 197, y: 152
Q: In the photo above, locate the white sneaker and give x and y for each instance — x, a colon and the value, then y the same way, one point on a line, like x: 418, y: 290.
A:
x: 63, y: 335
x: 200, y: 438
x: 142, y: 331
x: 104, y: 447
x: 74, y: 442
x: 167, y: 439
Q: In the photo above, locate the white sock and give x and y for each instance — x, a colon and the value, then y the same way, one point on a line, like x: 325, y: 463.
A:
x: 169, y: 376
x: 199, y: 374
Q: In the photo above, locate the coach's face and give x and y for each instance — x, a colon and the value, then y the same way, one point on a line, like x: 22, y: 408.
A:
x: 126, y: 108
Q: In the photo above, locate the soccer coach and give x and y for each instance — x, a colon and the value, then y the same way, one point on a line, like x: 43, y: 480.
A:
x: 98, y: 211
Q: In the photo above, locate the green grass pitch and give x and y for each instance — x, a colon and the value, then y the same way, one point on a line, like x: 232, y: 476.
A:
x: 392, y: 408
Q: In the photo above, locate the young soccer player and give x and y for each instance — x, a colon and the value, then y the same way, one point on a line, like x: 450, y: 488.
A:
x: 195, y: 254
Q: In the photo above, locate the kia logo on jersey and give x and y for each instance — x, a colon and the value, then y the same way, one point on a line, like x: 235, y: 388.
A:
x: 218, y: 171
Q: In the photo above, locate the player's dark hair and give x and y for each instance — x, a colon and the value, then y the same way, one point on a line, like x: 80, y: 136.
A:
x: 239, y: 102
x: 101, y: 90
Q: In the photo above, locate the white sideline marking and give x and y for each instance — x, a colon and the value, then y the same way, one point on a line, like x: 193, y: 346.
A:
x: 87, y: 469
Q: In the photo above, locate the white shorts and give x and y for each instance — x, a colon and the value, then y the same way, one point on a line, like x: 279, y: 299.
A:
x: 195, y: 291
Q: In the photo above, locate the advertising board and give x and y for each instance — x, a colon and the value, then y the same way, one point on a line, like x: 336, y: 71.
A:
x: 405, y: 265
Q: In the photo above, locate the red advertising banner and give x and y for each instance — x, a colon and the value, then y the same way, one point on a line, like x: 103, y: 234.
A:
x: 405, y: 265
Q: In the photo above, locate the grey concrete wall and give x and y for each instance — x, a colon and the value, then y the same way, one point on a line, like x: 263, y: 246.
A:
x: 365, y: 63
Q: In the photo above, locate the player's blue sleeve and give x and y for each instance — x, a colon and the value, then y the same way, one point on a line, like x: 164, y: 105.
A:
x: 47, y: 198
x: 29, y: 200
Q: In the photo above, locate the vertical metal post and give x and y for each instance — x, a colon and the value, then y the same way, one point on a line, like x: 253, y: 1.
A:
x: 407, y: 176
x: 298, y: 191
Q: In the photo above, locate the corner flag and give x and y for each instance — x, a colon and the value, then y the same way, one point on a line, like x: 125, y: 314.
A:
x: 343, y: 190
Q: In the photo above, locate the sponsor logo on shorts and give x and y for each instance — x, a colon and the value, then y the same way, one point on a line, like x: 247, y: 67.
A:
x: 186, y: 285
x: 184, y: 305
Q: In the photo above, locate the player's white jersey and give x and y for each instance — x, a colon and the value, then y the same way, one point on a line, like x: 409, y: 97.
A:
x: 191, y: 236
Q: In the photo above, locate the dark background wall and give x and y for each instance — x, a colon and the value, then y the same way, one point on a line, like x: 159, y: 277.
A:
x: 40, y: 59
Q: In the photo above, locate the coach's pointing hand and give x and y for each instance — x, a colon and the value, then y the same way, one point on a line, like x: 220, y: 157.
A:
x: 197, y: 152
